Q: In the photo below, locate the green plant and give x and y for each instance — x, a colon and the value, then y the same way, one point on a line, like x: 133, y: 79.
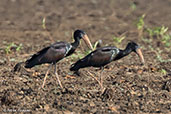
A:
x: 166, y: 39
x: 45, y: 28
x: 77, y: 55
x: 140, y: 24
x: 163, y: 71
x: 44, y: 23
x: 118, y: 40
x: 159, y: 57
x: 133, y: 5
x: 147, y: 40
x: 94, y: 47
x: 157, y: 31
x: 12, y: 45
x: 158, y: 53
x: 160, y: 32
x: 19, y: 47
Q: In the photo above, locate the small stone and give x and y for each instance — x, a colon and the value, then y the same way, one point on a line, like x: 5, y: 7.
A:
x: 82, y: 98
x: 140, y: 71
x: 46, y: 107
x: 133, y: 92
x: 92, y: 104
x: 67, y: 112
x: 114, y: 109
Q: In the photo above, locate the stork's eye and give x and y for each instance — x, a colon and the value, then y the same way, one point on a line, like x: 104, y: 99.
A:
x: 81, y: 35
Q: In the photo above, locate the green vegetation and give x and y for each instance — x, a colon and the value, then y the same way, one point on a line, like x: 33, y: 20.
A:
x: 11, y: 46
x: 133, y: 6
x: 118, y: 40
x: 89, y: 50
x: 140, y: 25
x: 95, y: 45
x: 167, y: 41
x: 157, y: 31
x: 163, y: 71
x: 158, y: 53
x: 45, y: 28
x: 147, y: 40
x: 77, y: 55
x: 161, y: 59
x: 161, y: 34
x: 44, y: 23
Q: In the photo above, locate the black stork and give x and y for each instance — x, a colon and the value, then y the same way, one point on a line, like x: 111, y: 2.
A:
x: 55, y: 52
x: 104, y: 55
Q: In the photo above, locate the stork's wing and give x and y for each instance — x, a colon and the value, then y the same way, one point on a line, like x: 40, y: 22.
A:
x: 101, y: 56
x: 50, y: 54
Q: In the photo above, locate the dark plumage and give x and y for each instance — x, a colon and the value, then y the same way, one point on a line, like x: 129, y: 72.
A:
x: 104, y: 55
x: 57, y: 51
x: 50, y: 54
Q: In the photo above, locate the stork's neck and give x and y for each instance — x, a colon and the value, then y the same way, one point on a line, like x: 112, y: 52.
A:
x: 75, y: 44
x: 123, y: 53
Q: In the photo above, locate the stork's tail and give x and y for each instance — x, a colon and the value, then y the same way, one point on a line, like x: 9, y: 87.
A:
x: 18, y: 66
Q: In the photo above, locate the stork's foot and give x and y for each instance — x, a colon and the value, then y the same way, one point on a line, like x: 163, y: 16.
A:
x: 99, y: 82
x: 58, y: 80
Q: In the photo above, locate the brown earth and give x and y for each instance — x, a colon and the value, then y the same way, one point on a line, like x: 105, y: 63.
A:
x: 131, y: 87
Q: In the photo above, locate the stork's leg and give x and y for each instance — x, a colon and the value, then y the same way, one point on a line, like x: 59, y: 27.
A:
x: 58, y: 77
x: 101, y: 77
x: 47, y: 72
x: 95, y: 79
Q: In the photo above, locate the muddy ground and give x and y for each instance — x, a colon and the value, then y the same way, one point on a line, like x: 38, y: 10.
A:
x: 130, y: 87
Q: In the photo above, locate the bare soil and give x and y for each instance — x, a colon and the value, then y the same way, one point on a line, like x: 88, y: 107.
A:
x: 130, y: 87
